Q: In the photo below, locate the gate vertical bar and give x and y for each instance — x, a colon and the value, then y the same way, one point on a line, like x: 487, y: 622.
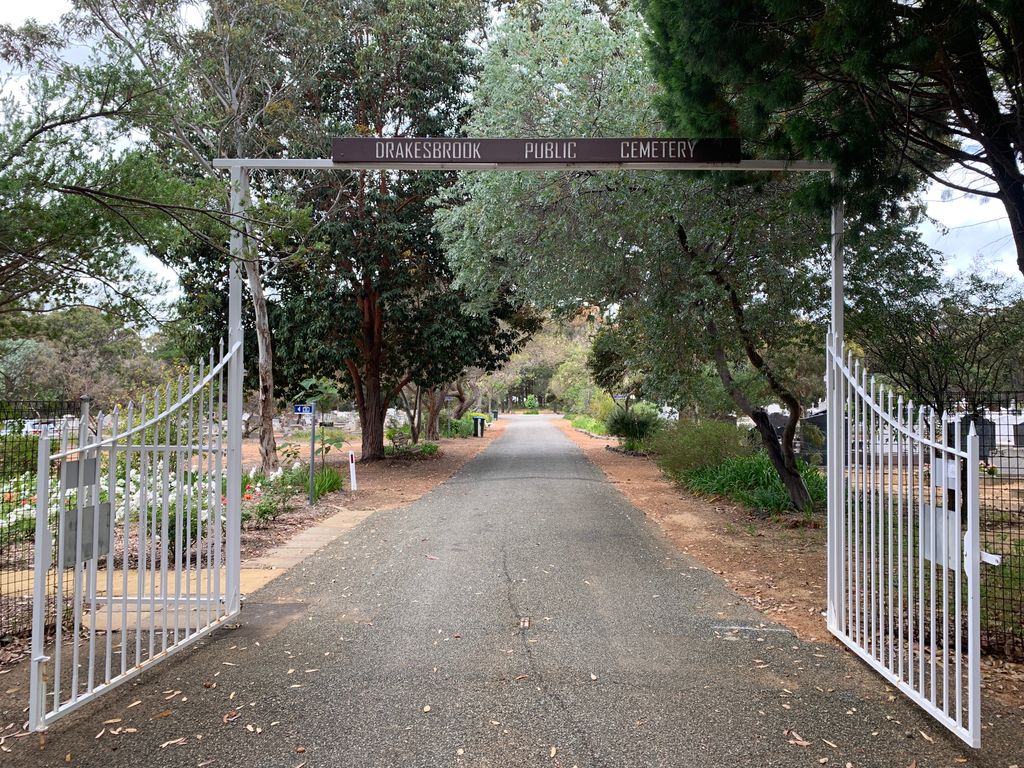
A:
x: 972, y: 548
x: 836, y: 405
x: 239, y: 207
x: 43, y: 544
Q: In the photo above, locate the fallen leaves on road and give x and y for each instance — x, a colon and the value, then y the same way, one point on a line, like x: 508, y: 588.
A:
x: 230, y: 716
x: 173, y: 742
x: 927, y: 738
x: 795, y: 738
x: 164, y: 713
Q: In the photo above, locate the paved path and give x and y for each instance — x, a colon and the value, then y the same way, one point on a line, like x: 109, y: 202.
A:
x: 634, y: 656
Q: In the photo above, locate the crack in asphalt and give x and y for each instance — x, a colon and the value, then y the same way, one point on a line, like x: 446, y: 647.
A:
x: 546, y: 692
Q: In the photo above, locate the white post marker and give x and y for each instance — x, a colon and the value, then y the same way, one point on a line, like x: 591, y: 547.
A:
x: 352, y: 471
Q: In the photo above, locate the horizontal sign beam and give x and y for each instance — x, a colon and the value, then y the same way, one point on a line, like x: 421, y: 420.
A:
x: 326, y: 164
x: 569, y: 152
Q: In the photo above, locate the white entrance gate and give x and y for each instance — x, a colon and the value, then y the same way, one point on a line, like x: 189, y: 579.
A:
x: 137, y: 536
x: 903, y: 545
x: 900, y: 583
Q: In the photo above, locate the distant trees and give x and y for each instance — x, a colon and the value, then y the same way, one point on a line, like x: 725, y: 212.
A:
x: 66, y: 354
x: 961, y: 340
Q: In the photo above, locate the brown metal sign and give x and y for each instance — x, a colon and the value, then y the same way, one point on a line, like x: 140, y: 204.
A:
x: 558, y: 152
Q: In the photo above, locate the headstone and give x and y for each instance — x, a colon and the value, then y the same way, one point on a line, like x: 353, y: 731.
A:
x: 986, y: 437
x: 1018, y: 435
x: 778, y: 422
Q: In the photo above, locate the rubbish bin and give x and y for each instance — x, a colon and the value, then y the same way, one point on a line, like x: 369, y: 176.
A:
x: 478, y: 426
x: 494, y: 414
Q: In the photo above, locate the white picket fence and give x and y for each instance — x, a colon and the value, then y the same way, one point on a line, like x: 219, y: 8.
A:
x: 903, y: 543
x: 137, y: 537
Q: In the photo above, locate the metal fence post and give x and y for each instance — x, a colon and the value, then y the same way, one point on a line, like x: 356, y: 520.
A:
x: 832, y: 485
x: 312, y: 452
x: 233, y: 533
x: 37, y: 681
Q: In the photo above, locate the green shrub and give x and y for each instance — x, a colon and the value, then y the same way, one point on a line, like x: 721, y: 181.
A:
x: 450, y: 427
x: 428, y: 449
x: 602, y: 407
x: 645, y: 408
x: 478, y: 413
x: 588, y: 424
x: 531, y: 403
x: 688, y: 445
x: 752, y: 481
x: 531, y: 411
x: 326, y: 480
x: 423, y: 450
x: 631, y: 425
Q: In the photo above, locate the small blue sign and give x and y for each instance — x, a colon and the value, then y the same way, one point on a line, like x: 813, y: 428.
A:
x: 303, y: 409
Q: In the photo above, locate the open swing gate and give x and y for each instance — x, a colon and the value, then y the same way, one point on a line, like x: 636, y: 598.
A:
x: 137, y: 537
x: 903, y: 543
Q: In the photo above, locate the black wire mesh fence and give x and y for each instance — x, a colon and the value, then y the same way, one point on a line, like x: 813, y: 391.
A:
x: 21, y: 423
x: 1000, y: 427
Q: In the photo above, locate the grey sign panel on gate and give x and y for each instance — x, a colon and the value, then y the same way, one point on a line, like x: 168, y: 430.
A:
x: 71, y: 471
x: 558, y: 152
x: 90, y: 519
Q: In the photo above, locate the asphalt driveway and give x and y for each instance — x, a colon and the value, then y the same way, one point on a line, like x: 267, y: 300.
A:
x: 522, y: 614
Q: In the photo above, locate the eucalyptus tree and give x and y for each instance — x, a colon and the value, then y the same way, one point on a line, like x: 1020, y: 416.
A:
x: 71, y: 189
x: 193, y: 81
x: 732, y: 275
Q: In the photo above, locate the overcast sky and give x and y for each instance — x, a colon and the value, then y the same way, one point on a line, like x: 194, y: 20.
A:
x: 968, y: 229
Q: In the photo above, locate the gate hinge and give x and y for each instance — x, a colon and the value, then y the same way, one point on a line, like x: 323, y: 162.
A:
x: 989, y: 559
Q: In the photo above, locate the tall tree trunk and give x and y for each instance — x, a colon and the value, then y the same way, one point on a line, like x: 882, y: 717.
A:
x: 373, y: 413
x: 268, y: 445
x: 411, y: 404
x: 465, y: 403
x: 371, y: 401
x: 435, y: 403
x: 780, y: 452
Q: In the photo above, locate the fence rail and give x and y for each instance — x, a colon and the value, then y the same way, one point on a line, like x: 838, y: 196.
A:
x: 132, y: 534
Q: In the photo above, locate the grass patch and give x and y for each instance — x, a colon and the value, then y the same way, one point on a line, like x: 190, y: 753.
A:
x: 753, y: 482
x: 326, y: 480
x: 587, y: 423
